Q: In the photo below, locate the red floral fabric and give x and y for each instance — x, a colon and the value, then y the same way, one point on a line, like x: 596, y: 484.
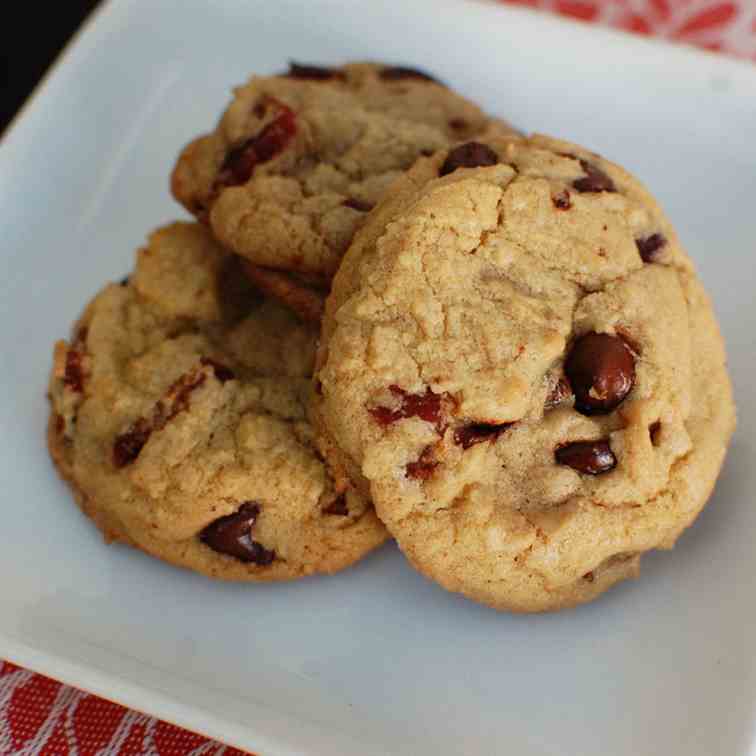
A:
x: 727, y: 26
x: 41, y: 716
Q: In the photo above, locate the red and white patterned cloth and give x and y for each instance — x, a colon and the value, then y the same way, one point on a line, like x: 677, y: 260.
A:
x: 41, y: 716
x: 727, y: 26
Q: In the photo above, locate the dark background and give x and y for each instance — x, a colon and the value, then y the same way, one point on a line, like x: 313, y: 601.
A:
x: 32, y: 36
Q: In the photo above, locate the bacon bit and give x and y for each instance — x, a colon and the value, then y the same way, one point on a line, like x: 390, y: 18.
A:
x: 477, y: 433
x: 242, y: 160
x: 74, y: 373
x: 426, y: 406
x: 423, y: 468
x: 128, y: 445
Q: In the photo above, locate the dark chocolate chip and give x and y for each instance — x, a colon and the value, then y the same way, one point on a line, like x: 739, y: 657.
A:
x: 314, y: 73
x: 595, y: 180
x: 468, y: 155
x: 649, y: 247
x: 587, y: 457
x: 398, y: 73
x: 601, y: 371
x: 232, y: 535
x: 459, y: 124
x: 124, y: 281
x: 562, y: 200
x: 357, y: 204
x: 477, y: 433
x: 337, y: 507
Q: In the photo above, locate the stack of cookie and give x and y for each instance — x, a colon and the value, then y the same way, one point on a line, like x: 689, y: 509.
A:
x: 504, y: 380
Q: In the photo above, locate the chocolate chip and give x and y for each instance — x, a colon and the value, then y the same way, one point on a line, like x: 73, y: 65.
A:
x: 259, y: 109
x: 654, y: 433
x: 595, y: 180
x: 562, y: 200
x: 587, y: 457
x: 477, y: 433
x: 357, y: 204
x: 337, y: 507
x: 124, y: 281
x: 232, y: 535
x: 60, y: 424
x: 426, y: 406
x: 241, y: 161
x: 222, y: 373
x: 314, y: 73
x: 73, y: 377
x: 398, y: 73
x: 601, y: 370
x: 560, y: 392
x: 128, y: 445
x: 424, y: 467
x: 649, y: 247
x: 459, y: 124
x: 468, y: 155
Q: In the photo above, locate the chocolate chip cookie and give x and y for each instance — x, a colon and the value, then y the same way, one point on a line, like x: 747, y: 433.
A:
x: 521, y: 367
x: 178, y: 418
x: 298, y: 160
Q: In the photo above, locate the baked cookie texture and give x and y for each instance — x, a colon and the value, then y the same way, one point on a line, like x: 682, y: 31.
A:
x: 178, y: 418
x: 297, y: 161
x: 521, y: 367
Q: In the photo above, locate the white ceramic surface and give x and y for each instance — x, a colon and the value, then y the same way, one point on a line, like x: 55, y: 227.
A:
x: 375, y: 660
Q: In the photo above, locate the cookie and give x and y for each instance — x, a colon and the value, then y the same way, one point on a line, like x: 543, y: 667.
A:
x: 298, y: 160
x: 179, y: 419
x: 303, y: 294
x: 521, y: 367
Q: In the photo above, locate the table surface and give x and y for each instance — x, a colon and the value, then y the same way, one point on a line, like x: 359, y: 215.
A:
x: 41, y: 716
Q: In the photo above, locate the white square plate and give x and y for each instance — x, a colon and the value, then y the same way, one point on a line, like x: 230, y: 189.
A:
x: 375, y: 660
